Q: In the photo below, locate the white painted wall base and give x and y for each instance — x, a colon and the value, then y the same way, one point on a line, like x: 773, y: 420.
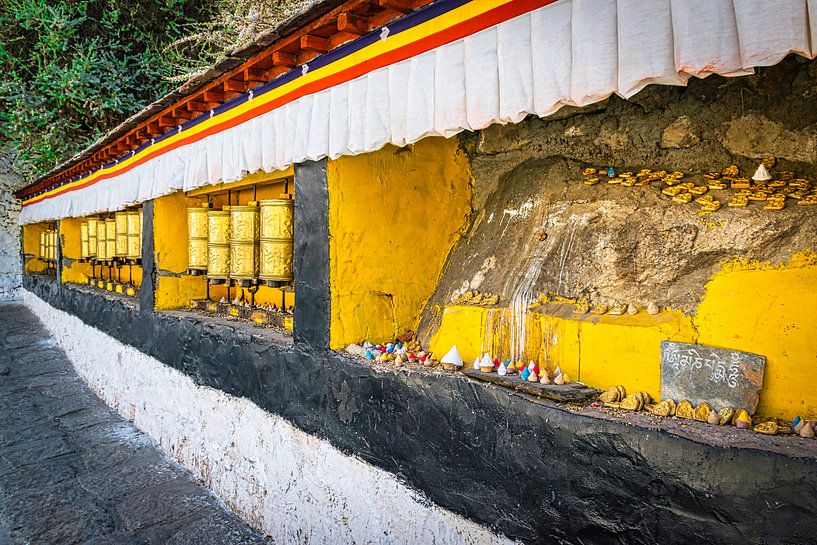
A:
x: 287, y: 483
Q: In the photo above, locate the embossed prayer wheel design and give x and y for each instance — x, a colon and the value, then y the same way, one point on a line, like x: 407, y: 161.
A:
x: 197, y: 225
x: 110, y: 230
x: 83, y: 240
x: 218, y: 244
x: 277, y: 218
x: 134, y: 229
x: 53, y: 246
x: 244, y: 242
x: 276, y: 240
x: 92, y: 231
x: 121, y: 219
x: 101, y: 240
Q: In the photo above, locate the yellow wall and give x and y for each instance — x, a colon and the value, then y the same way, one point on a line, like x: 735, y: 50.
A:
x: 769, y: 310
x: 31, y: 245
x: 754, y: 307
x: 170, y: 252
x: 599, y: 350
x: 393, y: 217
x: 72, y: 269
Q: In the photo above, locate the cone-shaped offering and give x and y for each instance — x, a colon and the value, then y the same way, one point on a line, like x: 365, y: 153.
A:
x: 452, y: 360
x: 761, y: 174
x: 487, y: 364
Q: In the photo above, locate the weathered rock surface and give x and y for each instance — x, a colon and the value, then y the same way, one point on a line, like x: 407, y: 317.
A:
x: 10, y: 262
x: 536, y: 220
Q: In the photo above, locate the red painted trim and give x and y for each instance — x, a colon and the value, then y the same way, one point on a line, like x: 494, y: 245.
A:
x: 460, y: 30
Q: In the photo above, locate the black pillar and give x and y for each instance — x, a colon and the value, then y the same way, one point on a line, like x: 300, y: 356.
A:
x: 58, y: 264
x: 311, y: 259
x: 149, y: 272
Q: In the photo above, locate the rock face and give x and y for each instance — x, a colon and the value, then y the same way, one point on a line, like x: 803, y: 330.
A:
x: 547, y: 232
x: 679, y: 134
x: 10, y: 262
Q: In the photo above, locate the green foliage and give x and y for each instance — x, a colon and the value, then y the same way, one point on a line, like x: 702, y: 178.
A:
x: 232, y: 24
x: 73, y: 69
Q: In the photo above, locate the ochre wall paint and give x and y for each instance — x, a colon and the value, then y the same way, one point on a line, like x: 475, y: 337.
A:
x: 72, y: 269
x: 769, y: 310
x: 755, y: 307
x: 31, y: 246
x: 393, y: 217
x: 174, y: 288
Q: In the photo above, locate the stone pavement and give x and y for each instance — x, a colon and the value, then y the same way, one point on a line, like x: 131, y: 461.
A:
x: 73, y: 471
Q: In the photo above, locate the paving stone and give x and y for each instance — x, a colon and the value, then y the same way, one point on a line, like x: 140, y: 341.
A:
x: 73, y: 471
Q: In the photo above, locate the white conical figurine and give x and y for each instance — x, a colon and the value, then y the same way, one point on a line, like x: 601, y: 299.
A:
x: 476, y: 363
x: 452, y: 360
x: 502, y: 370
x: 761, y: 174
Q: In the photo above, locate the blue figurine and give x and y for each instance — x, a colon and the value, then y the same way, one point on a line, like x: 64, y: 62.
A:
x: 525, y: 374
x: 369, y: 355
x: 611, y: 172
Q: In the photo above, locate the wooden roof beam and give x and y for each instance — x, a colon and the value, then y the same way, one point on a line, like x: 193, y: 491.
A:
x: 353, y: 24
x: 234, y: 85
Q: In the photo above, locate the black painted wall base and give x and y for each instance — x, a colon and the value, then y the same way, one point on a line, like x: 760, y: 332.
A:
x: 533, y: 472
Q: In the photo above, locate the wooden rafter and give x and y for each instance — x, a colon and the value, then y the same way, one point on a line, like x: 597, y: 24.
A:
x: 343, y: 24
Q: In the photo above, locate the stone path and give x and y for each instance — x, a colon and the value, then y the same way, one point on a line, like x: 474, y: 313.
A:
x: 73, y: 471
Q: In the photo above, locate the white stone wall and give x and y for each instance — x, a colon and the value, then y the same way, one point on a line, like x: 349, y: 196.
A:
x: 291, y: 485
x: 10, y: 262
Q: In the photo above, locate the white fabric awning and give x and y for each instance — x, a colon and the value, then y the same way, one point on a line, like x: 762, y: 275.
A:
x: 569, y: 52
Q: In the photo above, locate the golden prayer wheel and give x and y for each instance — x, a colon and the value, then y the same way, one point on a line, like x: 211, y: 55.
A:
x: 244, y: 243
x: 276, y: 240
x: 110, y: 230
x: 101, y: 240
x: 92, y: 231
x: 134, y: 229
x: 121, y: 219
x: 43, y: 246
x: 53, y: 245
x: 197, y: 228
x: 218, y: 245
x: 83, y: 240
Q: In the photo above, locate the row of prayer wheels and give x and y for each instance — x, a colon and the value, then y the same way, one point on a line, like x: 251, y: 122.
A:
x: 117, y: 238
x: 246, y: 244
x: 48, y: 245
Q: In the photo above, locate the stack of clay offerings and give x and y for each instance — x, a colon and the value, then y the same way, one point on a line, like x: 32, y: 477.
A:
x: 528, y: 373
x: 616, y: 397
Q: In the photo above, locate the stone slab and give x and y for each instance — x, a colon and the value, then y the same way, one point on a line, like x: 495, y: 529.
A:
x: 721, y: 377
x: 573, y: 392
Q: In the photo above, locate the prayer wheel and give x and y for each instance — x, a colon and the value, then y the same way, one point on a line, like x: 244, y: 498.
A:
x: 197, y: 229
x: 218, y: 245
x: 244, y: 243
x: 43, y: 255
x: 121, y: 219
x: 277, y: 239
x: 53, y: 245
x: 83, y: 241
x: 110, y: 230
x: 134, y: 229
x: 92, y: 231
x: 101, y: 240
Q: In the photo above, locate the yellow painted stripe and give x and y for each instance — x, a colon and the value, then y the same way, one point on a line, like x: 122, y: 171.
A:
x: 409, y: 36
